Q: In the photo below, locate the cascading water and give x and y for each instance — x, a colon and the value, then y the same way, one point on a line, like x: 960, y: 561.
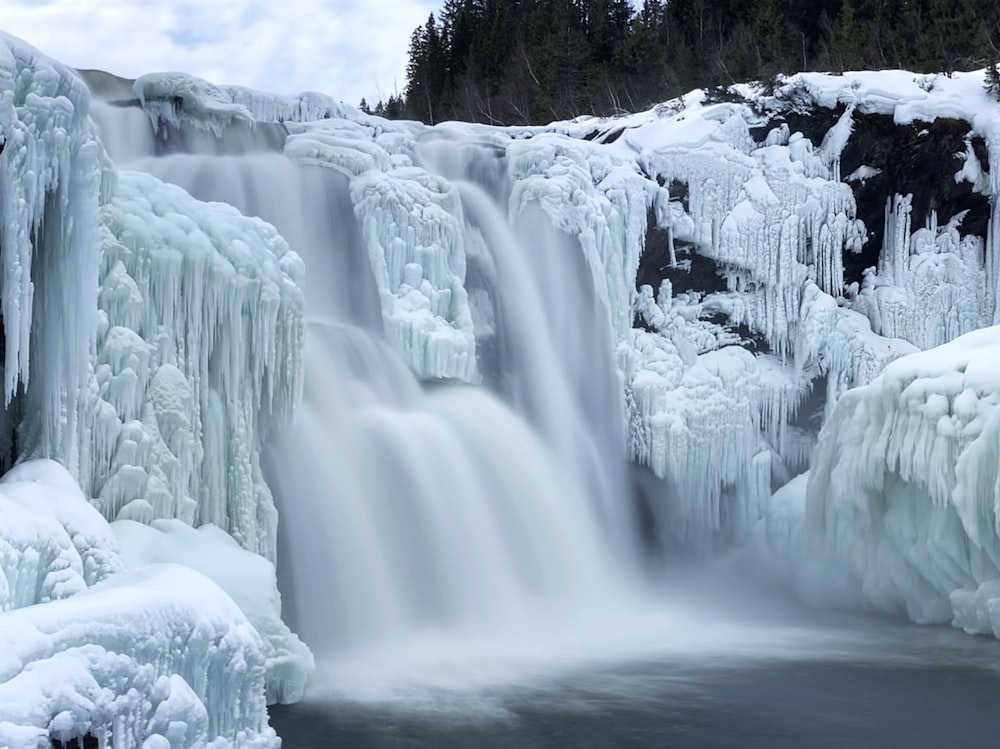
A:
x: 553, y: 352
x: 411, y: 509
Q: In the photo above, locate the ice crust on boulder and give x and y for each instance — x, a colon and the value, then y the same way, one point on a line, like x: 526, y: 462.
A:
x: 904, y: 483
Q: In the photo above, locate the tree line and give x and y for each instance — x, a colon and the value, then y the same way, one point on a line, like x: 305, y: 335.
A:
x: 532, y: 61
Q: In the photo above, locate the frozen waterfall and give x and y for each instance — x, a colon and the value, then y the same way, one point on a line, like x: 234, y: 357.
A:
x: 408, y: 506
x: 526, y: 366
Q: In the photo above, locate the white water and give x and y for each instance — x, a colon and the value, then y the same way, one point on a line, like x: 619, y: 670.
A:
x: 491, y: 521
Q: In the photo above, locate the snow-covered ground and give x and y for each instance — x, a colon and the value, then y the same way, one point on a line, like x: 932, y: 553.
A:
x: 153, y: 341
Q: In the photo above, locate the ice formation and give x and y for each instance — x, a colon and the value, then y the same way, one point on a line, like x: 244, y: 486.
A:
x: 198, y: 354
x: 48, y: 227
x: 155, y: 657
x: 709, y: 410
x: 670, y: 288
x: 151, y: 341
x: 904, y: 484
x: 158, y: 653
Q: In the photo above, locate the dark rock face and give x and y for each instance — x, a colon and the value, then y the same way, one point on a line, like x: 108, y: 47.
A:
x: 692, y: 273
x: 88, y: 741
x: 919, y: 159
x: 813, y: 123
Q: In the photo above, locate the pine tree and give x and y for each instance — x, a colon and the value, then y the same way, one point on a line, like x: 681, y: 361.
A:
x: 426, y: 71
x: 847, y: 42
x: 767, y: 29
x: 992, y: 82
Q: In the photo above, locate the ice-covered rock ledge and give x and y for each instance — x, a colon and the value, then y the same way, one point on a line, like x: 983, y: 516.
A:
x: 901, y: 511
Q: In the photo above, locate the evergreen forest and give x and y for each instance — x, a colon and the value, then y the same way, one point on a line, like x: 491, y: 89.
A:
x: 532, y: 61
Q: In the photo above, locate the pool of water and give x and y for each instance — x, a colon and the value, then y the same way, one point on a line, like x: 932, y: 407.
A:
x: 774, y: 676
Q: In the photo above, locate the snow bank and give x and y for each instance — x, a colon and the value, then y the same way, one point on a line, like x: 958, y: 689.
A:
x: 153, y: 657
x: 127, y: 656
x: 53, y: 543
x: 248, y: 578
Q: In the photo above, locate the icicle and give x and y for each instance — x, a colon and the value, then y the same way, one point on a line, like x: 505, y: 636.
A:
x: 52, y: 169
x: 205, y: 334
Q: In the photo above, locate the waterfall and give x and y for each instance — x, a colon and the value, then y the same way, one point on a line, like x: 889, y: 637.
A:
x: 410, y: 508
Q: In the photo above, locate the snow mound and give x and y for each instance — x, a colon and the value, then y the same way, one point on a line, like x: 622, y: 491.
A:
x: 153, y: 655
x: 248, y: 578
x: 53, y: 543
x: 128, y: 656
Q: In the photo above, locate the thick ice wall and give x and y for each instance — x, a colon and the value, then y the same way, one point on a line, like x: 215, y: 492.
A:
x: 51, y: 171
x: 904, y: 485
x: 199, y: 354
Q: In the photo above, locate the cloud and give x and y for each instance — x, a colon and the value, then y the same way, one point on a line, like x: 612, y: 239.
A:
x: 345, y: 48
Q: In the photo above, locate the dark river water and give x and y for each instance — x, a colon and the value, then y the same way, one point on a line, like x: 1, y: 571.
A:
x: 782, y: 677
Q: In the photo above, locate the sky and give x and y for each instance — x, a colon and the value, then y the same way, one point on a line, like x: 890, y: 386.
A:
x: 348, y: 49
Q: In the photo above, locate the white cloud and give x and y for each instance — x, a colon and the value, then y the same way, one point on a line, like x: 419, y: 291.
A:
x: 345, y: 48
